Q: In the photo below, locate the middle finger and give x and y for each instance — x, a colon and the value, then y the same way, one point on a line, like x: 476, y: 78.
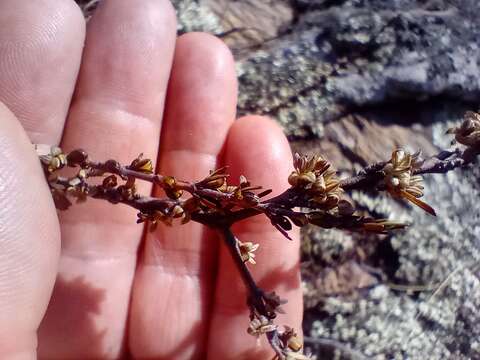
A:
x: 116, y: 113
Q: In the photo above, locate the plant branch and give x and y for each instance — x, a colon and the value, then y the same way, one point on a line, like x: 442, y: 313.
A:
x: 255, y: 294
x: 263, y: 307
x: 441, y: 163
x: 212, y: 201
x: 371, y: 177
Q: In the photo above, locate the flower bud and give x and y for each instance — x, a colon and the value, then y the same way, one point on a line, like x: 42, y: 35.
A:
x: 76, y: 157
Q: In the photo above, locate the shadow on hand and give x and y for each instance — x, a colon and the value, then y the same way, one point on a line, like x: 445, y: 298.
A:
x: 69, y: 321
x: 280, y: 276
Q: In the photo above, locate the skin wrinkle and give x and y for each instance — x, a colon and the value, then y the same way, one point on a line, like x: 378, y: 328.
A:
x: 211, y: 156
x: 119, y: 135
x: 29, y: 200
x: 36, y: 41
x: 24, y: 350
x: 112, y: 221
x: 93, y: 106
x: 87, y: 241
x: 188, y: 262
x: 25, y: 54
x: 116, y: 126
x: 29, y: 241
x: 116, y: 76
x: 99, y: 258
x: 179, y: 271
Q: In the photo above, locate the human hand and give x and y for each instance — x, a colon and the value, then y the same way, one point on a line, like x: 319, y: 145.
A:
x: 170, y: 294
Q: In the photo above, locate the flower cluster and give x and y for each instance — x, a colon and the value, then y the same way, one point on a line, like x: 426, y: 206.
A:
x: 261, y: 325
x: 317, y: 181
x: 52, y: 157
x: 165, y: 216
x: 292, y: 345
x: 468, y: 133
x: 243, y: 193
x: 286, y: 342
x: 400, y: 181
x: 247, y: 251
x: 315, y: 175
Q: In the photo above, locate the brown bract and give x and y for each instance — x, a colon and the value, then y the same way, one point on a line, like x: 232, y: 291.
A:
x: 468, y: 133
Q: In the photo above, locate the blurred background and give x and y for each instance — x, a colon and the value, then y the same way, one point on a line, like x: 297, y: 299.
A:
x: 352, y: 79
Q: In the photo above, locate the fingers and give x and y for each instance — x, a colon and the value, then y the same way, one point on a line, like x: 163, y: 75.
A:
x: 116, y: 113
x: 29, y: 241
x: 174, y: 281
x: 256, y: 148
x: 40, y: 50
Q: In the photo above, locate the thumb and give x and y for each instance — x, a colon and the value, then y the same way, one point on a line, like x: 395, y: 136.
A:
x: 29, y: 241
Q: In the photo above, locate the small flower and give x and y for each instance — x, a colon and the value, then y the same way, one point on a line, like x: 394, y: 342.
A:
x: 177, y: 211
x: 189, y: 206
x: 141, y: 165
x: 314, y: 174
x: 469, y: 131
x: 216, y: 179
x: 291, y: 340
x: 307, y: 169
x: 169, y: 185
x: 243, y: 193
x: 247, y: 251
x: 52, y: 157
x: 127, y: 191
x: 401, y: 183
x: 166, y: 215
x: 261, y: 325
x: 291, y: 346
x: 77, y: 157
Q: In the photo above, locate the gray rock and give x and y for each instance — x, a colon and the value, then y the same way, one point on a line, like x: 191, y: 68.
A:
x: 438, y: 260
x: 192, y: 16
x: 356, y: 54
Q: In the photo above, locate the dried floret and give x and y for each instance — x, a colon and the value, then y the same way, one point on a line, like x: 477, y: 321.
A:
x: 142, y: 165
x: 261, y: 325
x: 52, y: 157
x: 247, y: 251
x: 315, y: 175
x: 400, y: 181
x: 468, y: 133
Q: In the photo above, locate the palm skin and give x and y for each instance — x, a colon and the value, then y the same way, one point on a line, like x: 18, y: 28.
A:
x: 122, y: 85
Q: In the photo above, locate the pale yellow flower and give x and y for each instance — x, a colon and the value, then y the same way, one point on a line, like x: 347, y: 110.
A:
x: 247, y: 251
